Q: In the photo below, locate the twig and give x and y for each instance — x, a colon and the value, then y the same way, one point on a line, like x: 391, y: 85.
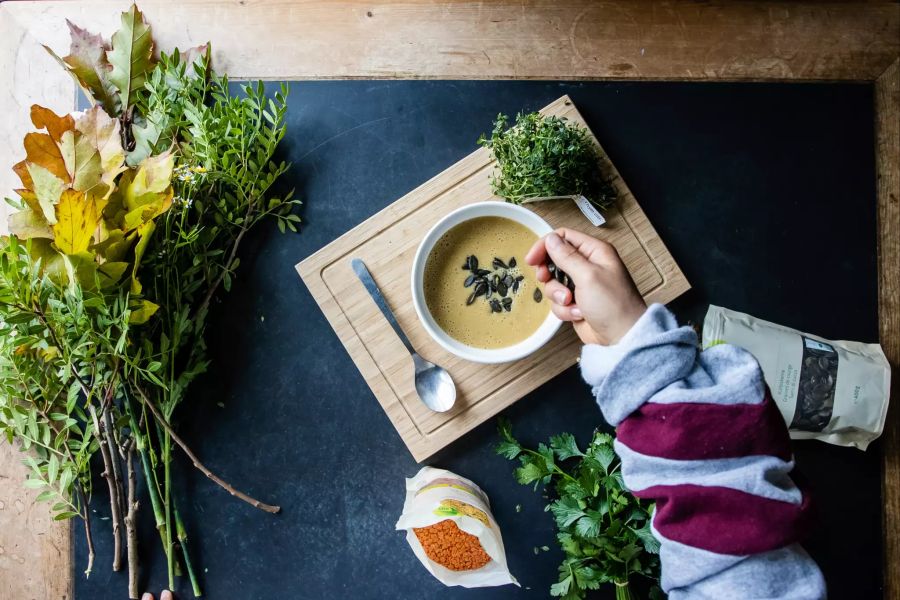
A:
x: 147, y: 468
x: 212, y: 289
x: 113, y: 491
x: 87, y: 531
x: 130, y: 527
x: 196, y: 461
x: 114, y: 455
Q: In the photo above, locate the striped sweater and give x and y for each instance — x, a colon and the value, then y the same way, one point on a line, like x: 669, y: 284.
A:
x: 699, y: 434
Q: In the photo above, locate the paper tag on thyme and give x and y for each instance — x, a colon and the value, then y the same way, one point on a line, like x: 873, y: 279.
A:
x: 588, y: 210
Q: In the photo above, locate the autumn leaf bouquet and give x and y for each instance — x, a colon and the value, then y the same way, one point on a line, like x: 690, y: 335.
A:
x: 126, y: 227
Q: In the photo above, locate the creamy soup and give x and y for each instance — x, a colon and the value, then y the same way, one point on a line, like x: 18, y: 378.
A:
x: 493, y: 304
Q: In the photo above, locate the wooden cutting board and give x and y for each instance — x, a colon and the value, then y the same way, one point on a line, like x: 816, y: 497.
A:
x: 387, y: 243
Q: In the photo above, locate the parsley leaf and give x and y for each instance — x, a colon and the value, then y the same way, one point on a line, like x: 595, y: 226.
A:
x: 651, y: 544
x: 564, y: 446
x: 603, y: 530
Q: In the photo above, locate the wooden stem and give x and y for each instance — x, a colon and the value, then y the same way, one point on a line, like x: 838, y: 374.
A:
x: 113, y: 486
x: 212, y: 289
x: 114, y: 456
x: 131, y: 527
x: 89, y: 537
x: 269, y: 508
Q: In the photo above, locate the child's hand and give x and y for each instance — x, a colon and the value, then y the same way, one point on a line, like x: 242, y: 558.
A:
x: 606, y: 302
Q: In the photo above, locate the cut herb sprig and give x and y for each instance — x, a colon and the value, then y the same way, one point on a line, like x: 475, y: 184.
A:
x: 603, y: 529
x: 546, y: 157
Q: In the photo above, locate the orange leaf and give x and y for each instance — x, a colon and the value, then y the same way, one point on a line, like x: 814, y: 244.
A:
x: 21, y: 169
x: 40, y: 149
x: 44, y: 118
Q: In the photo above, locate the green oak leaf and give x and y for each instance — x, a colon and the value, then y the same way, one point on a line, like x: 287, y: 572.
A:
x: 131, y: 55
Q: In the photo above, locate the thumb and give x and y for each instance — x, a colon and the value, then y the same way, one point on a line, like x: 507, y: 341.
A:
x: 565, y: 255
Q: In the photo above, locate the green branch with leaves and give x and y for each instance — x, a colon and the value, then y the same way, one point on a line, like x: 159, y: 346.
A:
x: 127, y: 226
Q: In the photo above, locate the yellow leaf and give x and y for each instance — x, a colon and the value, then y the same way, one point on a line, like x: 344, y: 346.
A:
x: 153, y: 176
x: 141, y: 311
x: 115, y: 244
x: 77, y: 216
x: 82, y: 160
x: 47, y: 189
x: 44, y: 118
x: 145, y: 192
x: 40, y: 149
x: 144, y: 232
x: 27, y: 224
x: 145, y: 213
x: 103, y: 134
x: 110, y: 273
x: 52, y: 262
x: 81, y: 268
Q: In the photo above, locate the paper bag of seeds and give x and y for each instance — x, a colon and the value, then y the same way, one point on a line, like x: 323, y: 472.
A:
x: 835, y: 391
x: 451, y: 530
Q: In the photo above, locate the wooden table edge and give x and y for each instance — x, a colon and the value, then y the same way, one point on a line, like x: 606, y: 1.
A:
x: 769, y: 50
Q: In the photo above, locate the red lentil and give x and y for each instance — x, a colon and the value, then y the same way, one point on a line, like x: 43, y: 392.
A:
x: 451, y: 547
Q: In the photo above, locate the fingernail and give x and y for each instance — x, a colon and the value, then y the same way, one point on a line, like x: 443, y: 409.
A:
x: 147, y: 596
x: 576, y: 313
x: 559, y: 297
x: 553, y: 241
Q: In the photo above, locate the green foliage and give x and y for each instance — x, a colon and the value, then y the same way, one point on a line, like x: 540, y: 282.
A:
x: 127, y: 226
x: 603, y: 530
x: 546, y: 157
x: 58, y: 347
x: 225, y: 146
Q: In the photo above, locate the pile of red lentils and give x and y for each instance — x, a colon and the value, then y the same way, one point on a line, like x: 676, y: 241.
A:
x: 451, y: 547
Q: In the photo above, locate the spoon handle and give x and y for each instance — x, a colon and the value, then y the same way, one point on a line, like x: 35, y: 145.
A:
x: 359, y: 267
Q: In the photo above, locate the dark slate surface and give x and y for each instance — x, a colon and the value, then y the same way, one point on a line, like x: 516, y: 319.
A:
x: 763, y: 193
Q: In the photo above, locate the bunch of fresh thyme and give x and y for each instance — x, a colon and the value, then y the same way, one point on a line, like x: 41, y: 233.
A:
x: 546, y: 157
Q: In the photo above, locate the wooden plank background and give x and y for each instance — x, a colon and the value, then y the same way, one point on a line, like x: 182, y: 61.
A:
x: 543, y: 39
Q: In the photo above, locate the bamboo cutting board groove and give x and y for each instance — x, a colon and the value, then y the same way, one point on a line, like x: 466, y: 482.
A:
x: 387, y: 243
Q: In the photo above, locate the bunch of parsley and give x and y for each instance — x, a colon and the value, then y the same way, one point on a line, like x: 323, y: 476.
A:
x: 604, y: 530
x: 545, y: 157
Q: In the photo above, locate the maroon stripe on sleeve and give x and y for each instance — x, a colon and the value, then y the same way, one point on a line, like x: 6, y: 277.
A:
x: 724, y: 520
x: 695, y: 431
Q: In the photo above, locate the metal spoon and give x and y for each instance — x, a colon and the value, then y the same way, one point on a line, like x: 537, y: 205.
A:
x: 433, y: 383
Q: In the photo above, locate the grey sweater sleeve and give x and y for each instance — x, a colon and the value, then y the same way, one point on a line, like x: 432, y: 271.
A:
x: 698, y: 434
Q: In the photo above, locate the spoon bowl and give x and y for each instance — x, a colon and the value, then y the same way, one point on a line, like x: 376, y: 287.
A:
x: 434, y: 385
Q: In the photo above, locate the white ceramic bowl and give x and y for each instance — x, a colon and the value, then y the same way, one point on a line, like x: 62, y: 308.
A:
x: 480, y: 355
